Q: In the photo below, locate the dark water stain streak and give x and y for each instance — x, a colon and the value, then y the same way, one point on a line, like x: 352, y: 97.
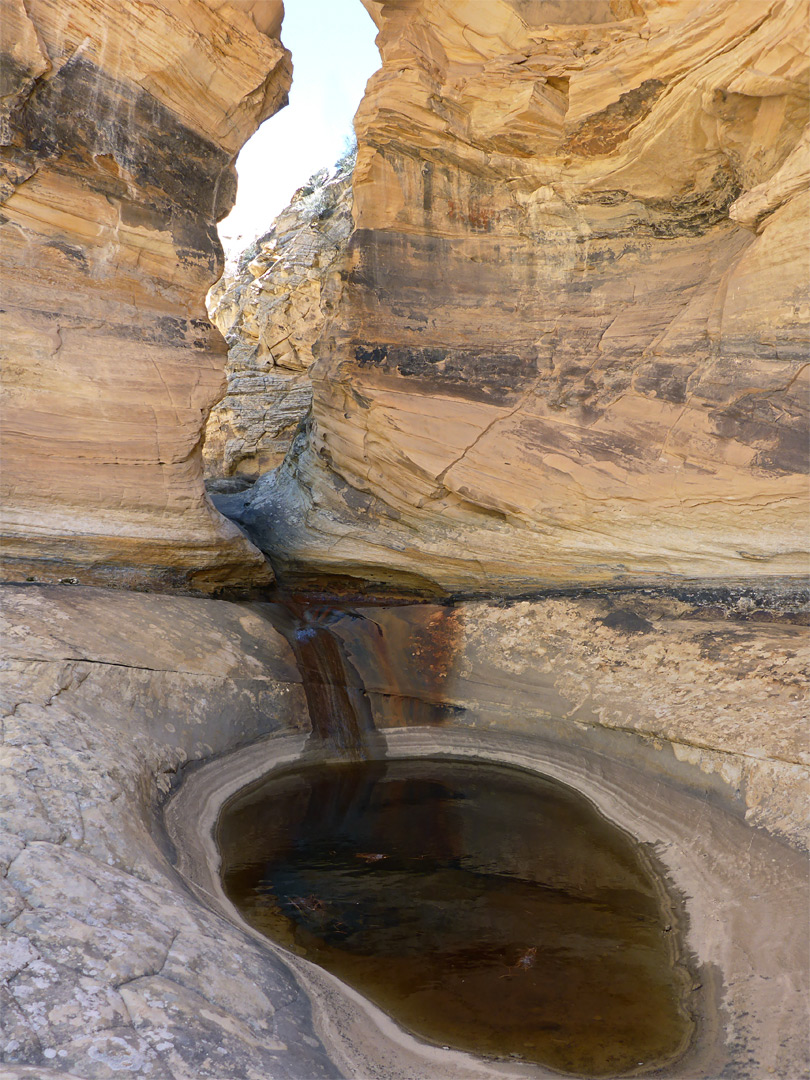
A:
x: 339, y: 709
x: 359, y: 674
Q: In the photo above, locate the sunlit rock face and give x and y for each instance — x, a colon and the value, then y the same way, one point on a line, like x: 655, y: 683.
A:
x: 572, y: 342
x: 271, y: 308
x: 120, y: 123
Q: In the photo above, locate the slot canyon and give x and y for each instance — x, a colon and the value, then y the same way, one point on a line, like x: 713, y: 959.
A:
x: 490, y: 456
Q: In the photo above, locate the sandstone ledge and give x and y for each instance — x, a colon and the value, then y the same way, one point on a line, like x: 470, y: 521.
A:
x: 109, y: 967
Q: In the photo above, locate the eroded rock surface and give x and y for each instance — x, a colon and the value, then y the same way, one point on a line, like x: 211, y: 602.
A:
x: 120, y: 124
x: 569, y: 348
x: 721, y: 686
x: 271, y: 310
x: 683, y: 718
x: 572, y: 345
x: 108, y: 966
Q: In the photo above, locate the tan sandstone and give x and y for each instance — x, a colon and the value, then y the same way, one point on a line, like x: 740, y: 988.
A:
x: 572, y: 345
x: 569, y: 347
x: 120, y: 124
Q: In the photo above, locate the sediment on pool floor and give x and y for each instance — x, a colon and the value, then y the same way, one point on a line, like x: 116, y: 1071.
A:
x: 482, y: 907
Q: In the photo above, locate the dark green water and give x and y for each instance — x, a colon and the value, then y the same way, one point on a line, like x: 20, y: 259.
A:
x: 484, y: 908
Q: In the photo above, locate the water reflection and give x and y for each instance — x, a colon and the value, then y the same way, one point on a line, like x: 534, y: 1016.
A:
x: 483, y: 907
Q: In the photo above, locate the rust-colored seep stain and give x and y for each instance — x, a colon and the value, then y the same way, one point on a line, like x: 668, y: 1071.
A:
x: 435, y: 646
x: 406, y: 658
x: 367, y: 667
x: 478, y: 217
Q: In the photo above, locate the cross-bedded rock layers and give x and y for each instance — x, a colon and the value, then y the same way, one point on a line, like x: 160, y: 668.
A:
x: 571, y: 346
x: 119, y: 124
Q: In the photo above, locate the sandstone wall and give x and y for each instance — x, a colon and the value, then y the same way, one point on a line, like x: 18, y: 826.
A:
x: 120, y: 123
x: 572, y: 345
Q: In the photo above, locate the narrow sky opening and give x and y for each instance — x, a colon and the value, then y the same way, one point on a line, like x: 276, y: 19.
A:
x: 334, y: 55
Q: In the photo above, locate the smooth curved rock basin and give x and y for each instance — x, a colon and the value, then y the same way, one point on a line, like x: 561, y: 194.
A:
x: 743, y: 922
x: 690, y: 736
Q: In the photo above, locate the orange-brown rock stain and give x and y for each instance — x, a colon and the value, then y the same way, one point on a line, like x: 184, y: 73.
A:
x: 411, y: 663
x: 366, y: 668
x: 478, y: 217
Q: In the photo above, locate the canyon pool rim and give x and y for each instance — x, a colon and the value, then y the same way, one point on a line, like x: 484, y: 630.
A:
x: 306, y: 918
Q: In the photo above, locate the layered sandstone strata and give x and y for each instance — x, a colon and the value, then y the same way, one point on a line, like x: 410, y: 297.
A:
x: 572, y: 344
x: 271, y: 310
x: 120, y: 123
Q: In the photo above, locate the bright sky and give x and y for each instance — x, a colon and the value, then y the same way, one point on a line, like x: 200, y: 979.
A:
x: 334, y: 55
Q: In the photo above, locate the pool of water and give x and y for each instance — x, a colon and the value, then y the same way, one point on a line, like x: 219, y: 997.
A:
x: 484, y: 908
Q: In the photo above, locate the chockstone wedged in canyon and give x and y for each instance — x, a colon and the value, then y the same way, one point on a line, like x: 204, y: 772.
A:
x: 535, y: 367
